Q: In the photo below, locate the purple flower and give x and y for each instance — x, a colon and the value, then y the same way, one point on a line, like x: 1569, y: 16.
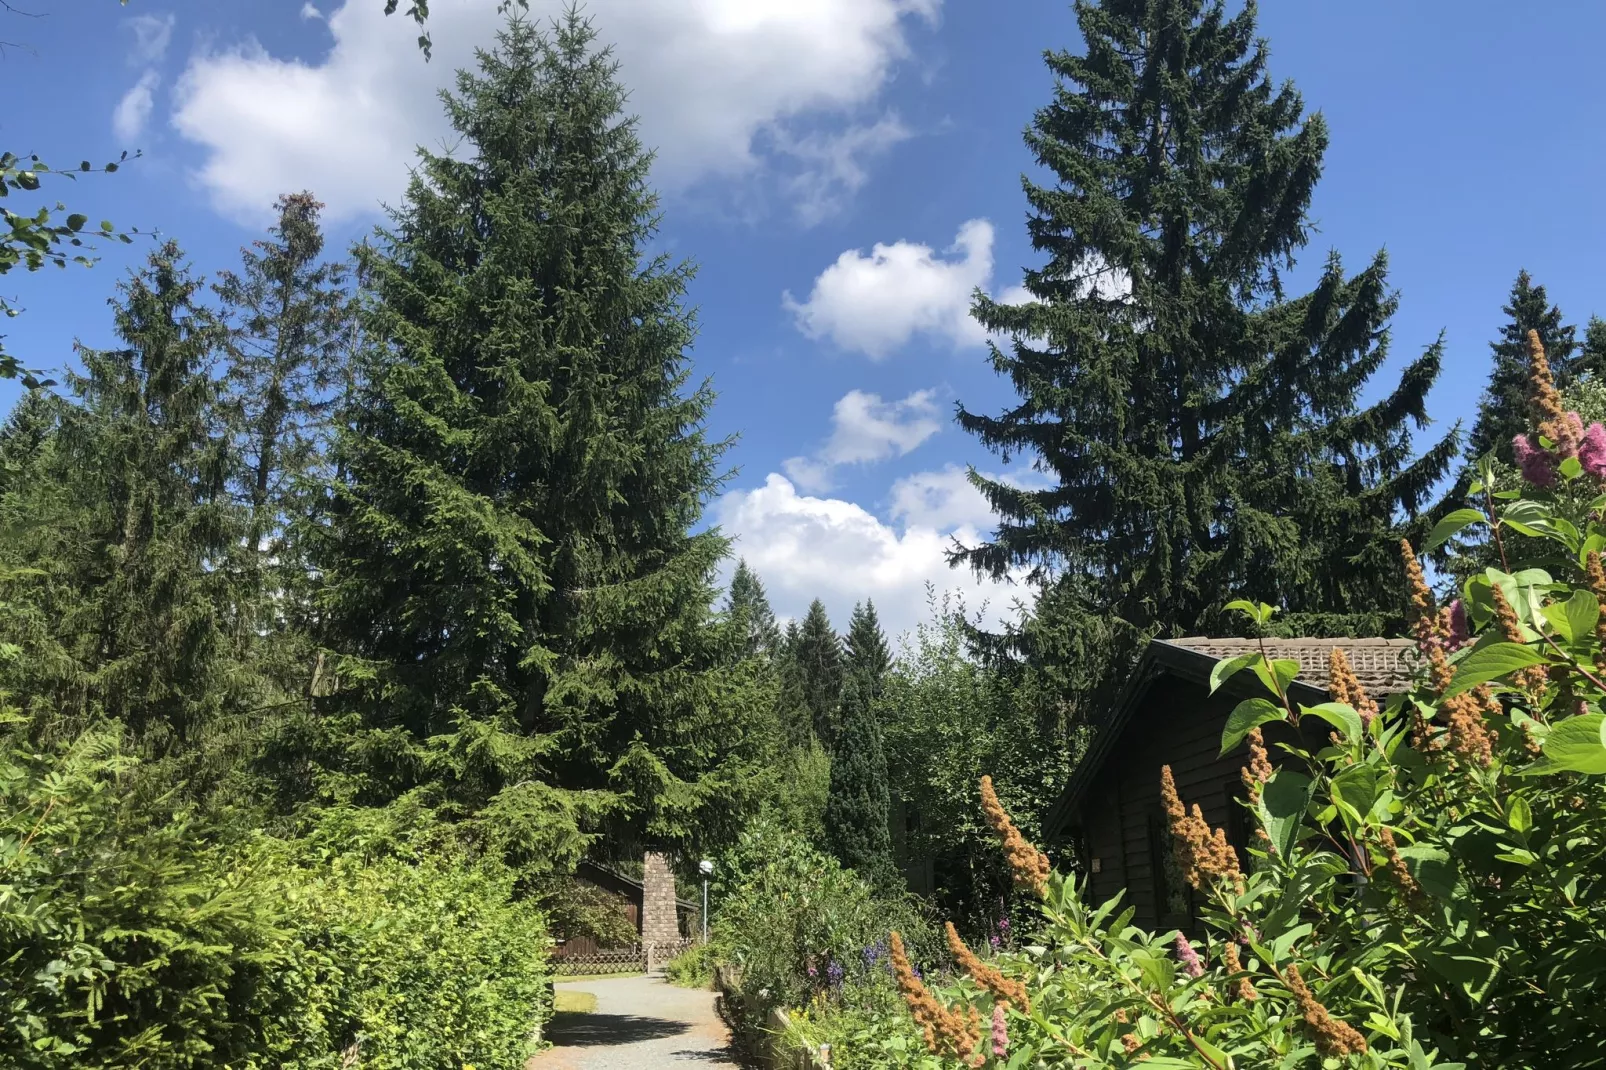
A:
x: 833, y: 973
x: 1459, y: 633
x: 1003, y: 925
x: 995, y: 941
x: 812, y: 971
x: 1592, y: 451
x: 1000, y: 1031
x: 1189, y: 957
x: 1538, y: 467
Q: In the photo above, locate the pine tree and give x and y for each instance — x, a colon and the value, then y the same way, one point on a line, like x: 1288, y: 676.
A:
x: 857, y: 804
x: 130, y: 521
x: 747, y: 606
x: 1503, y: 411
x: 511, y: 553
x: 868, y: 657
x: 818, y: 653
x: 1188, y: 413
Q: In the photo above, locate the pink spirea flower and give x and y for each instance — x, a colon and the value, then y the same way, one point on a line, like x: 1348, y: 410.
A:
x: 1459, y: 633
x: 1538, y: 467
x: 1592, y: 451
x: 1189, y: 957
x: 1000, y: 1031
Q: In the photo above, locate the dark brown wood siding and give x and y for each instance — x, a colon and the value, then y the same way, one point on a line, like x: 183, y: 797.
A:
x: 1178, y: 724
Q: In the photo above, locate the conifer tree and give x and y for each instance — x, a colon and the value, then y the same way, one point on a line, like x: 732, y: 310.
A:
x: 129, y: 519
x: 747, y: 606
x: 868, y: 657
x: 511, y: 552
x: 291, y: 330
x: 1503, y: 410
x: 1201, y: 430
x: 818, y: 653
x: 857, y: 804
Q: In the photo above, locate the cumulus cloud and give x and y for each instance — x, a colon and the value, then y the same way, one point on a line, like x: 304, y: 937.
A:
x: 875, y: 303
x: 152, y: 34
x: 863, y: 429
x: 806, y: 547
x: 941, y: 498
x: 134, y: 110
x: 714, y: 82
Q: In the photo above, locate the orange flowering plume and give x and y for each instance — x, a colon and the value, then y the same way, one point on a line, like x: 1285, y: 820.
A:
x: 1346, y: 687
x: 1026, y: 862
x: 944, y: 1029
x: 1397, y: 867
x: 1534, y: 676
x: 1333, y: 1038
x: 1004, y: 989
x: 1548, y: 410
x: 1204, y: 855
x: 1241, y: 987
x: 1259, y: 770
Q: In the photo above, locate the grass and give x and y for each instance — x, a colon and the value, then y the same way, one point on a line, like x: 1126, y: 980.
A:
x: 565, y: 1002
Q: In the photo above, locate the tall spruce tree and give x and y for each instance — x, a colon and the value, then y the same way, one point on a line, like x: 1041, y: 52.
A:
x: 748, y: 608
x: 511, y: 551
x: 817, y: 652
x: 128, y: 520
x: 857, y: 803
x: 1188, y: 413
x: 1503, y: 410
x: 867, y: 655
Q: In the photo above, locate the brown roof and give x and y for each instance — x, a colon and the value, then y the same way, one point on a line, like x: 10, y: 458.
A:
x: 1383, y: 666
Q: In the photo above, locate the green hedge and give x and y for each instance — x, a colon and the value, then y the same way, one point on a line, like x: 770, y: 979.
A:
x: 133, y: 937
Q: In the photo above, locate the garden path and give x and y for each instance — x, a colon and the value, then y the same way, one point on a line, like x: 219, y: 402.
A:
x: 641, y: 1023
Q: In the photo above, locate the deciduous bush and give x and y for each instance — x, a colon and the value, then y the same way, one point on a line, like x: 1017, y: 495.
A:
x: 1427, y: 889
x: 137, y: 936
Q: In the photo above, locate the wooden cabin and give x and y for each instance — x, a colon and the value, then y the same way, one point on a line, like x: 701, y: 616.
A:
x: 1108, y: 821
x: 633, y: 897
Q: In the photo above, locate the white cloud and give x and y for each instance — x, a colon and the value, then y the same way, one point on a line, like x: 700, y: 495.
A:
x: 308, y: 12
x: 152, y: 35
x: 713, y: 81
x: 874, y: 304
x: 834, y: 164
x: 806, y: 547
x: 134, y: 110
x: 935, y: 499
x: 863, y: 429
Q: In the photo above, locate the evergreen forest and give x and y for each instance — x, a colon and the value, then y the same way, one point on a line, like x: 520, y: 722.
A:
x: 357, y: 603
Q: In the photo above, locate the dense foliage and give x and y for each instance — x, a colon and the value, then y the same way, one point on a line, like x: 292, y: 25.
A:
x: 140, y: 934
x: 1424, y: 890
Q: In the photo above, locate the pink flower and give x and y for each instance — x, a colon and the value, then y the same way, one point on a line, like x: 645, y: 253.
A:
x: 1459, y: 634
x: 1189, y: 957
x: 1592, y: 451
x: 1000, y: 1031
x: 1538, y: 467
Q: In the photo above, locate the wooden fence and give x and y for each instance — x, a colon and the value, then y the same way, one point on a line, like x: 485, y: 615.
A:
x: 582, y: 958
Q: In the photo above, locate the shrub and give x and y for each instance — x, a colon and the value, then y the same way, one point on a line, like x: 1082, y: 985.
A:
x: 692, y: 968
x: 143, y: 936
x: 1426, y: 890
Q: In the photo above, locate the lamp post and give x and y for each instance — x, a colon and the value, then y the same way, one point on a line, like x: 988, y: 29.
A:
x: 705, y: 867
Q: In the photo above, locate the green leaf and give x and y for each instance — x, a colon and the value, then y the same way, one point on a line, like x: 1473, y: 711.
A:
x: 1447, y: 528
x: 1583, y: 613
x: 76, y: 221
x: 1340, y: 716
x: 1357, y: 786
x: 1278, y: 674
x: 1490, y: 663
x: 1578, y: 744
x: 1519, y: 815
x: 1570, y: 468
x: 1220, y: 672
x: 1432, y: 869
x: 1246, y: 715
x: 1282, y: 806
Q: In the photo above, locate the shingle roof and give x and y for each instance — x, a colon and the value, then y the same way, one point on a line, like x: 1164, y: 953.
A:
x: 1383, y: 666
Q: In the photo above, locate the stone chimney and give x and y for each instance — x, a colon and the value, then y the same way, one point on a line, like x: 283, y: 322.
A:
x: 660, y: 927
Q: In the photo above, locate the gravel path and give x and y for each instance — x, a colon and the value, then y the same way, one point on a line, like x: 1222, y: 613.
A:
x: 640, y: 1023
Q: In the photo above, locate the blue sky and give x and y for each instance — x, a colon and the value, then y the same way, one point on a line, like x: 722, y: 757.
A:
x: 796, y: 136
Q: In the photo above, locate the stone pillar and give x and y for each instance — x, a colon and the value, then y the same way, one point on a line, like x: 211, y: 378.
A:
x: 659, y: 924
